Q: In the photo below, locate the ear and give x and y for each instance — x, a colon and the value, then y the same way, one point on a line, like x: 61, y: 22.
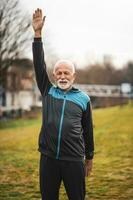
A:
x: 74, y: 75
x: 54, y: 77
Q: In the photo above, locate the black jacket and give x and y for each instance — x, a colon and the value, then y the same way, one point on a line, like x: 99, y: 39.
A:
x: 67, y: 130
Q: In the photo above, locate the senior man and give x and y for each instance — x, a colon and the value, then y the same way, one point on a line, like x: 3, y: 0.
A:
x: 66, y: 137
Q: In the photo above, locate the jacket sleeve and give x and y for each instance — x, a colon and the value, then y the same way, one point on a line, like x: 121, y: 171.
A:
x: 42, y: 79
x: 88, y: 132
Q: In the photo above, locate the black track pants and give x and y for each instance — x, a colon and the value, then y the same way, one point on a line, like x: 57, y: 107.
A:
x: 53, y: 171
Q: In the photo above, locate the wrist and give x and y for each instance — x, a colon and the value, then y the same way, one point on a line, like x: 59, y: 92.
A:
x: 88, y: 160
x: 37, y: 34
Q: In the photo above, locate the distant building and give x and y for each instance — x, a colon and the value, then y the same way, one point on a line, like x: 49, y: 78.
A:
x: 21, y: 90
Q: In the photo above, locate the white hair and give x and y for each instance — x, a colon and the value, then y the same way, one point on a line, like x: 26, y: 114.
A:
x: 63, y: 61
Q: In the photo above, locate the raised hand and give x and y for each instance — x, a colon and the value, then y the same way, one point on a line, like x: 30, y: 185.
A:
x: 38, y: 22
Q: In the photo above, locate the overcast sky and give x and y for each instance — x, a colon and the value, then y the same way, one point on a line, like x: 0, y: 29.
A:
x: 86, y: 30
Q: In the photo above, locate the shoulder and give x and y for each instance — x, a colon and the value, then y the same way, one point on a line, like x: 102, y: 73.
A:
x: 80, y: 98
x: 84, y: 96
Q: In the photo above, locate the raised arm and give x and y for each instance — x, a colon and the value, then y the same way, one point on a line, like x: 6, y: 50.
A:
x: 38, y: 53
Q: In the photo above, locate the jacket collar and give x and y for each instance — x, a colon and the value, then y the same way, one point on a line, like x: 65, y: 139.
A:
x: 73, y: 89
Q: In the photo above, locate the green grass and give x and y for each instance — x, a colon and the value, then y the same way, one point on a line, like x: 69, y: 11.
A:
x: 22, y: 122
x: 112, y: 176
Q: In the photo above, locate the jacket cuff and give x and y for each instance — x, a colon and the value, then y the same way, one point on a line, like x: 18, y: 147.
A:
x: 37, y: 39
x: 89, y: 155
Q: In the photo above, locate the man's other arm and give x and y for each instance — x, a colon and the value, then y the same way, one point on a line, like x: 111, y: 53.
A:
x: 88, y: 138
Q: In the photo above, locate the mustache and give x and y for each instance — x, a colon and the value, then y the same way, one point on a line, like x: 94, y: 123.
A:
x: 63, y: 81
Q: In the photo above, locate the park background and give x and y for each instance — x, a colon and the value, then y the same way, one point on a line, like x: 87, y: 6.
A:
x: 97, y: 37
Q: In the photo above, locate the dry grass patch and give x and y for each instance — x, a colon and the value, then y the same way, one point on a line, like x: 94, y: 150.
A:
x: 112, y: 177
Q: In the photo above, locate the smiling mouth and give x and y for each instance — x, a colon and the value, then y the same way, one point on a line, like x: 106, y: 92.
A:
x: 63, y: 82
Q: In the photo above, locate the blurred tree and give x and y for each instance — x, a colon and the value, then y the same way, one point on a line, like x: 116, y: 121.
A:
x: 96, y: 74
x: 109, y: 73
x: 118, y: 76
x: 128, y: 72
x: 104, y: 73
x: 14, y: 35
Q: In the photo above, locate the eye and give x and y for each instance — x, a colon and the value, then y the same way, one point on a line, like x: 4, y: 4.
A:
x: 67, y: 73
x: 58, y: 73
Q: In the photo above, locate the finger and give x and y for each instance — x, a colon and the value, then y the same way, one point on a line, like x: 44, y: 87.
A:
x: 40, y: 12
x: 43, y: 20
x: 86, y: 174
x: 33, y: 15
x: 89, y: 170
x: 86, y: 171
x: 37, y: 12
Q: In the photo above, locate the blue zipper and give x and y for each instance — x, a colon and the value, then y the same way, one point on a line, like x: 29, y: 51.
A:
x: 60, y: 129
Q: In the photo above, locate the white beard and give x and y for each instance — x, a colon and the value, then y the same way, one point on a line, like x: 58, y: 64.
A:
x: 64, y: 84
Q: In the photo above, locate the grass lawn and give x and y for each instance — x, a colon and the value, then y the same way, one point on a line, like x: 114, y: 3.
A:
x: 112, y: 176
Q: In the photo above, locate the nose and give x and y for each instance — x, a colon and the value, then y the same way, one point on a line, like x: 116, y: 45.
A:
x: 62, y: 76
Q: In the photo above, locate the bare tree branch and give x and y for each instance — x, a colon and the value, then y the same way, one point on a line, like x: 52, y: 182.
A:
x: 14, y: 34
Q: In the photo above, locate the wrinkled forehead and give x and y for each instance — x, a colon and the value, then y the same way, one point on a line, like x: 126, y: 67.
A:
x: 64, y: 65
